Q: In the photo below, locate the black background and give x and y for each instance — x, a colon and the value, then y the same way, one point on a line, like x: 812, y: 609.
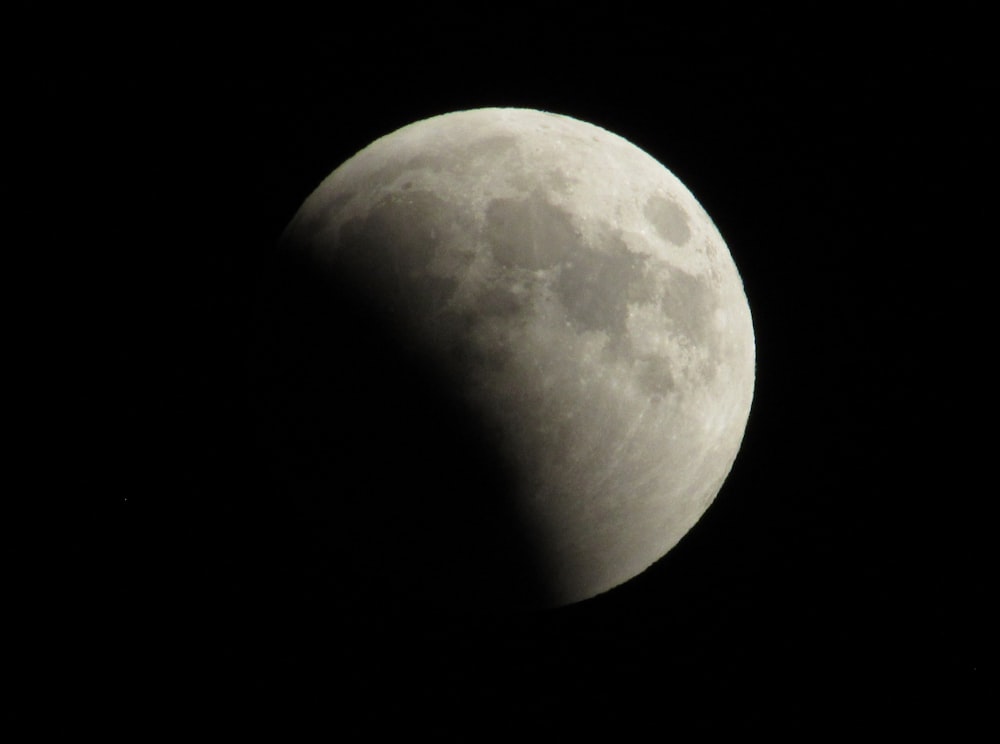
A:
x: 163, y: 580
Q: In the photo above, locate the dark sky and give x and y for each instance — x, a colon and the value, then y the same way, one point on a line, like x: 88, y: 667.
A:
x: 838, y: 581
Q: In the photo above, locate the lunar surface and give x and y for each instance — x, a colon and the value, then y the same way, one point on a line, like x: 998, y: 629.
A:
x: 580, y: 304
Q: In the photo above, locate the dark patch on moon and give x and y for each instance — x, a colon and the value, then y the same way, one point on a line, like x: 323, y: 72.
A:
x: 689, y: 303
x: 391, y: 249
x: 668, y: 219
x: 529, y: 233
x: 497, y: 301
x: 466, y: 357
x: 432, y: 295
x: 594, y: 287
x: 655, y: 376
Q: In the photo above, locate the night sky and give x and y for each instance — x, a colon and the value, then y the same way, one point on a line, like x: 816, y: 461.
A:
x: 837, y: 583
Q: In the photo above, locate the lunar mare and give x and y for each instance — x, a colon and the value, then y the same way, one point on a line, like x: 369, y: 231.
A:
x: 578, y: 298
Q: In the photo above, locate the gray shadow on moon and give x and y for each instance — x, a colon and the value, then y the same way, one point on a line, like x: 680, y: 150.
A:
x: 397, y: 485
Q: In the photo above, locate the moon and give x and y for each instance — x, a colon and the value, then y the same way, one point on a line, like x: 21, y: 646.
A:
x: 579, y: 304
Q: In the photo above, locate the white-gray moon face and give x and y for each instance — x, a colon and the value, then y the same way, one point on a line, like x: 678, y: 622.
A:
x: 581, y: 301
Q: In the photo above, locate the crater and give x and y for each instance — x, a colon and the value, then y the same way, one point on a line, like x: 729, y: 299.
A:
x: 668, y: 219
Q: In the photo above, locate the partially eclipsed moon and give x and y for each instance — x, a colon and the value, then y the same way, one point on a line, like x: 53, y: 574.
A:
x: 577, y: 298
